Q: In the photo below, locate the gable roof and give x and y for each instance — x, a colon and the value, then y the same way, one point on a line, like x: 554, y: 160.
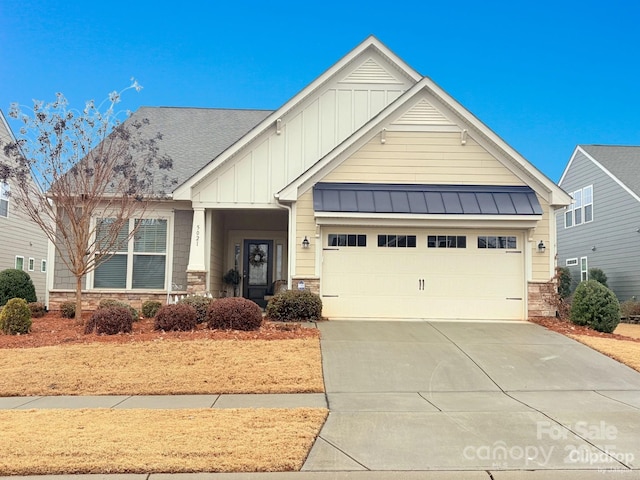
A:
x: 619, y: 162
x: 182, y: 192
x: 193, y: 137
x: 483, y: 134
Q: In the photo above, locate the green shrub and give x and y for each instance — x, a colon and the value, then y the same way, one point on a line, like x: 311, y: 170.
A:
x: 110, y: 321
x: 38, y: 309
x: 179, y: 316
x: 16, y: 284
x: 295, y: 305
x: 595, y: 306
x: 598, y: 275
x: 15, y: 318
x: 200, y: 303
x: 150, y: 308
x: 234, y: 313
x: 109, y: 302
x: 68, y: 309
x: 563, y: 275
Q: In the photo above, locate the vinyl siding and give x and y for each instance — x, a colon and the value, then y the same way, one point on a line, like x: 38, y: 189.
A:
x: 306, y: 225
x: 613, y: 231
x: 423, y: 157
x: 181, y: 244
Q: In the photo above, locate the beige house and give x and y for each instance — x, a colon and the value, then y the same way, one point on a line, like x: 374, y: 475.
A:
x: 22, y: 244
x: 371, y: 187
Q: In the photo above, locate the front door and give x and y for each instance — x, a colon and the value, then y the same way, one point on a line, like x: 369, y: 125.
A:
x: 257, y: 270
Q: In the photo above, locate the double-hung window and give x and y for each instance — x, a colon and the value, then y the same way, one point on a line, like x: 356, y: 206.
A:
x: 581, y: 210
x: 4, y: 199
x: 138, y: 262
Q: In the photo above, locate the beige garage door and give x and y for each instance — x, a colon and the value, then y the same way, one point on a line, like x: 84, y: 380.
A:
x: 430, y: 274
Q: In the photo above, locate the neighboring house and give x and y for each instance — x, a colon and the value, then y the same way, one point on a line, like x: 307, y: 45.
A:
x: 22, y: 244
x: 601, y: 229
x: 372, y: 187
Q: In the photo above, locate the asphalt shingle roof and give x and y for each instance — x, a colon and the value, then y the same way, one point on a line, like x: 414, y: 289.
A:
x: 622, y: 161
x: 193, y: 137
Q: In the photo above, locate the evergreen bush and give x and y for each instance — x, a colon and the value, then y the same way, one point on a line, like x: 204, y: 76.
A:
x: 150, y: 308
x: 109, y: 302
x: 295, y: 305
x: 38, y: 309
x: 598, y: 275
x: 16, y: 283
x: 15, y: 318
x: 201, y: 305
x: 180, y: 317
x: 595, y: 306
x: 68, y: 309
x: 234, y: 313
x: 563, y: 275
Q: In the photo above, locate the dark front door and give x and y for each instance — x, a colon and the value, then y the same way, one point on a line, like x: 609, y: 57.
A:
x: 257, y: 270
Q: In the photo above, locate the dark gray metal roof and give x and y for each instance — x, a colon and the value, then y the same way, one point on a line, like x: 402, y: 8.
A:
x: 622, y: 161
x: 193, y: 137
x: 425, y: 199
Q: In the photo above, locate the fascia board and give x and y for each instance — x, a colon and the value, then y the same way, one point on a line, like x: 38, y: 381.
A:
x: 422, y: 220
x: 183, y: 192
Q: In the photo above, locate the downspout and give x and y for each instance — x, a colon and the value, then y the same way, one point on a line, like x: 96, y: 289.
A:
x: 292, y: 235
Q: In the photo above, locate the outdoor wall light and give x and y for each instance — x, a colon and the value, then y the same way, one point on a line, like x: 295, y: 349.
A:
x: 541, y: 247
x: 593, y: 249
x: 305, y: 242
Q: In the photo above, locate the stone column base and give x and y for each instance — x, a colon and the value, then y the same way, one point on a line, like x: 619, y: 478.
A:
x: 310, y: 283
x: 196, y: 282
x: 541, y: 299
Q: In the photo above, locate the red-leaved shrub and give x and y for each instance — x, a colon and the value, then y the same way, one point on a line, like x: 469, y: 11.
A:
x: 234, y: 313
x: 180, y: 316
x: 110, y: 320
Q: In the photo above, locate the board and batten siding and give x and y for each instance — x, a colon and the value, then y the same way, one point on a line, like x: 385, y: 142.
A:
x: 304, y: 135
x: 613, y: 231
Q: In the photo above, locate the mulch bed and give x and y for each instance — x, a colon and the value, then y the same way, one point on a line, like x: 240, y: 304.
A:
x: 565, y: 327
x: 52, y: 329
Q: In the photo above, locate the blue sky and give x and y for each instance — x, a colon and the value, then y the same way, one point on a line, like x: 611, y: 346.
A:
x: 543, y: 75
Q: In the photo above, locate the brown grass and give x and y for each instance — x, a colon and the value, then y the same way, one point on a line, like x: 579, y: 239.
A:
x: 152, y: 441
x: 628, y: 330
x: 164, y: 367
x: 627, y: 352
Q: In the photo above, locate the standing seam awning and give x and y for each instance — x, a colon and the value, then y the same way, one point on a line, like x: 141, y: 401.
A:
x: 425, y: 199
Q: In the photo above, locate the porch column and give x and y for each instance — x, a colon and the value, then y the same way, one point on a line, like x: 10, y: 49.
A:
x: 196, y: 269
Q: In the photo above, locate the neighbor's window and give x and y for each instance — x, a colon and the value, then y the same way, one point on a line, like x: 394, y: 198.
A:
x: 346, y: 240
x: 4, y: 199
x: 32, y: 264
x: 43, y: 266
x: 19, y: 263
x: 571, y: 262
x: 581, y: 210
x: 446, y: 241
x: 140, y: 262
x: 401, y: 241
x: 584, y: 271
x: 502, y: 242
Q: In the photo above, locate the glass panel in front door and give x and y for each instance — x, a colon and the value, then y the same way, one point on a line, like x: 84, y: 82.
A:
x: 258, y: 262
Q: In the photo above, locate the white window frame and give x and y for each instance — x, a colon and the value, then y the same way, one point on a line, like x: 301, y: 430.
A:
x: 4, y: 198
x: 576, y: 213
x: 571, y: 262
x: 43, y: 266
x: 21, y: 258
x: 32, y: 264
x: 584, y: 269
x: 130, y: 253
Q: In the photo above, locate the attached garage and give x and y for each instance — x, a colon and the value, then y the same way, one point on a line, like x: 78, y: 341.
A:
x: 424, y: 272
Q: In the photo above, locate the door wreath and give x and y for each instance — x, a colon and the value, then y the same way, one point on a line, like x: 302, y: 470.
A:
x: 257, y: 256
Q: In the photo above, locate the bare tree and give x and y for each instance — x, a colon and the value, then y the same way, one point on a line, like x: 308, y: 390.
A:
x: 81, y: 175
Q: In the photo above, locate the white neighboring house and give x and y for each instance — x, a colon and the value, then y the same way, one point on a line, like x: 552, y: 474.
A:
x: 22, y: 244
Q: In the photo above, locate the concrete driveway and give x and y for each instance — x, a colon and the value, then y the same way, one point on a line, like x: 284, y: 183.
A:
x: 473, y: 396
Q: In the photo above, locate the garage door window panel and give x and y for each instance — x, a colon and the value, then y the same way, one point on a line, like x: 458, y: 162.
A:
x: 346, y: 240
x: 397, y: 241
x: 497, y: 242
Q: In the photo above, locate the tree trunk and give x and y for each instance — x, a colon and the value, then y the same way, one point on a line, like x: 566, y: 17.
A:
x: 78, y: 318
